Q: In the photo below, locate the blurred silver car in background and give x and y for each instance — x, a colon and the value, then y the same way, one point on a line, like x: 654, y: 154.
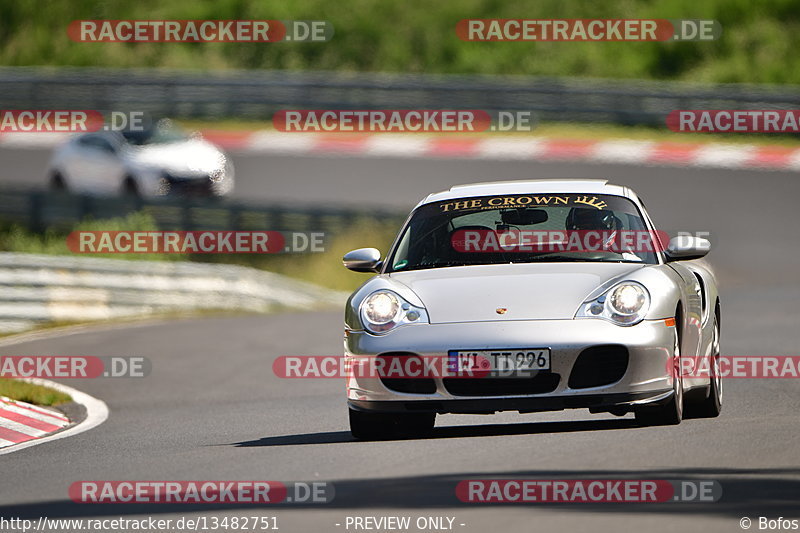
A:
x: 606, y: 330
x: 158, y: 161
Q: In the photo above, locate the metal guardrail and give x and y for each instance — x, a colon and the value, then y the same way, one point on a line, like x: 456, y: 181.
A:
x: 44, y: 288
x: 39, y: 210
x: 258, y: 94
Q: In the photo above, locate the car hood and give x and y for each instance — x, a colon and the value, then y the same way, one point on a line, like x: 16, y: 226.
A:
x: 527, y: 291
x: 183, y: 158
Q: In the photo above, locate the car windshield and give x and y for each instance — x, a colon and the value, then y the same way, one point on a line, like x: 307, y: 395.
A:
x: 521, y: 228
x: 164, y: 131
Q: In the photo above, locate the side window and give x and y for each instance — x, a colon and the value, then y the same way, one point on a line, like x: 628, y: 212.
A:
x: 98, y: 143
x: 632, y: 222
x: 401, y: 254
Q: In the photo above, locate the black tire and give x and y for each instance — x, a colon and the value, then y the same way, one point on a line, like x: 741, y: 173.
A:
x: 386, y: 426
x: 710, y: 405
x: 669, y: 413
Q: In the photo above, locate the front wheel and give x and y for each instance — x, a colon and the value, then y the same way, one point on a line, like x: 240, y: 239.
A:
x: 711, y: 405
x: 385, y: 426
x: 671, y: 412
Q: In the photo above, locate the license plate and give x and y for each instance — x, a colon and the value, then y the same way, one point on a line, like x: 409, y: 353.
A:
x: 516, y: 362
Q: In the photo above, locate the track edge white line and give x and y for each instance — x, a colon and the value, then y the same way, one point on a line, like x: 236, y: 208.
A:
x: 96, y: 413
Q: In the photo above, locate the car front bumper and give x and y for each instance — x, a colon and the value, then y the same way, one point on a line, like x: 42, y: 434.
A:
x: 644, y: 378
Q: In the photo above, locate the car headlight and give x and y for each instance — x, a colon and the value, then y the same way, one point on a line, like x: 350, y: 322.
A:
x: 384, y: 310
x: 625, y: 304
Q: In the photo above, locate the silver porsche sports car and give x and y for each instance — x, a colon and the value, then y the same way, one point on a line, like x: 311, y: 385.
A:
x: 538, y: 296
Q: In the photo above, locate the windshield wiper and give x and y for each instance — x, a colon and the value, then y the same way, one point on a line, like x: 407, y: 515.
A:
x: 573, y: 259
x: 427, y: 266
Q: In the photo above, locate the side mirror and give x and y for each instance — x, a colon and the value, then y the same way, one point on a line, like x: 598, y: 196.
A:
x: 363, y: 260
x: 686, y: 247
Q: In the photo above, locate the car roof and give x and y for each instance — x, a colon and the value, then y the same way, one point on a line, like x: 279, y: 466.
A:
x: 543, y: 186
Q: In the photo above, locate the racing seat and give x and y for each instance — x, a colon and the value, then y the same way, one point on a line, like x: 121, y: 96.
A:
x: 603, y: 220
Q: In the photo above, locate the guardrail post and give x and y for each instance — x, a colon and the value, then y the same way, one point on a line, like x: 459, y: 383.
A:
x: 87, y: 207
x: 186, y: 217
x: 235, y: 218
x: 35, y: 220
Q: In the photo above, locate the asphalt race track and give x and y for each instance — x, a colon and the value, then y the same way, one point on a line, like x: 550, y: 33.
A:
x: 212, y: 410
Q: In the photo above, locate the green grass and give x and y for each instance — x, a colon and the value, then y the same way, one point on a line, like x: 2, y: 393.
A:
x: 323, y: 268
x: 573, y: 130
x: 30, y: 393
x: 757, y: 45
x: 15, y: 238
